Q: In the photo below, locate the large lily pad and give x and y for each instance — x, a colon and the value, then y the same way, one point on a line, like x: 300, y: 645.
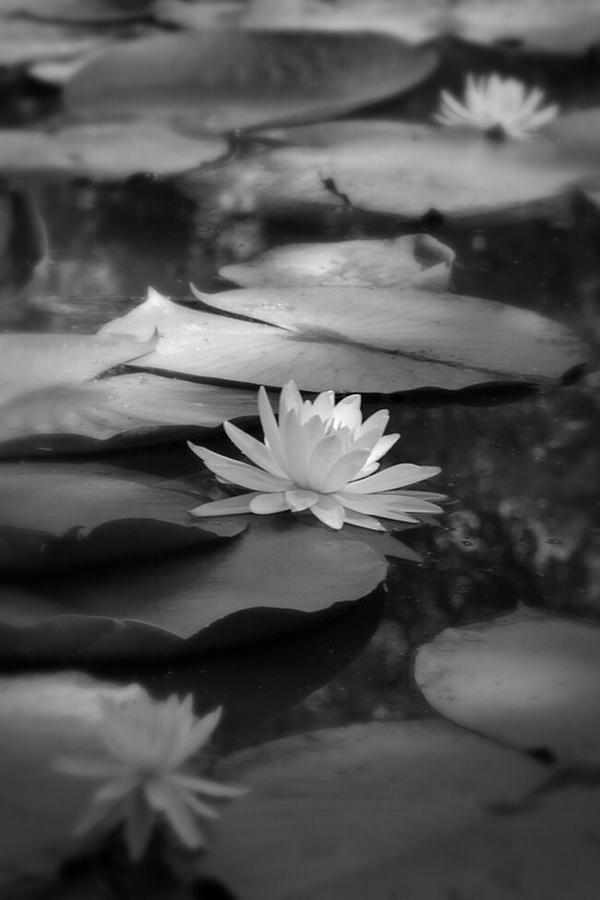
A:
x: 528, y: 679
x: 400, y: 809
x: 413, y: 22
x: 413, y: 260
x: 23, y: 41
x: 557, y: 26
x: 278, y: 574
x: 121, y: 410
x: 379, y: 340
x: 90, y: 11
x: 223, y: 79
x: 405, y: 169
x: 53, y: 515
x: 29, y: 362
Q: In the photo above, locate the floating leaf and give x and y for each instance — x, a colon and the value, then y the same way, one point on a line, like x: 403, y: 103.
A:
x: 578, y: 134
x: 378, y: 340
x: 413, y: 22
x: 277, y: 576
x: 91, y: 11
x: 415, y: 259
x: 29, y: 362
x: 116, y: 411
x: 199, y: 16
x: 53, y: 515
x: 528, y: 679
x: 224, y: 79
x: 23, y: 41
x: 405, y: 169
x: 398, y: 809
x: 108, y: 150
x: 557, y: 26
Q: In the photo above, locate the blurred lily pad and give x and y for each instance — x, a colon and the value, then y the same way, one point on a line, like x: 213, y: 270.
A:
x: 278, y: 575
x: 578, y: 133
x: 528, y: 679
x: 413, y: 22
x: 91, y: 11
x: 30, y: 362
x: 397, y: 809
x: 23, y: 41
x: 403, y: 168
x: 224, y: 79
x: 379, y: 340
x: 555, y: 26
x: 415, y: 259
x: 108, y: 150
x: 118, y: 411
x: 56, y: 515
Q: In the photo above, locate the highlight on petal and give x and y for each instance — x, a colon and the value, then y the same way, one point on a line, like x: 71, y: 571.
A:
x: 265, y: 504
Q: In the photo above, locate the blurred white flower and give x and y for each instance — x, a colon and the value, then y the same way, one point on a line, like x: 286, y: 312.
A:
x: 146, y: 742
x: 321, y: 457
x: 494, y: 103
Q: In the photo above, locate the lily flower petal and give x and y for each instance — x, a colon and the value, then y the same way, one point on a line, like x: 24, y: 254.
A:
x: 238, y: 472
x: 231, y: 506
x: 394, y: 477
x: 265, y: 504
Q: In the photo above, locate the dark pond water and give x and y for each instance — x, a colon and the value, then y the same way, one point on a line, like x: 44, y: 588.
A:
x: 521, y: 467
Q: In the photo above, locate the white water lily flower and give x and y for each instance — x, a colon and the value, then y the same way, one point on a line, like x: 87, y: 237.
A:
x: 321, y: 457
x: 498, y: 104
x: 146, y: 742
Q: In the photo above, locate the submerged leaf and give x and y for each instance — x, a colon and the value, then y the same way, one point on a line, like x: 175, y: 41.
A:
x: 404, y: 168
x: 397, y: 809
x: 225, y: 79
x: 53, y: 515
x: 414, y: 259
x: 272, y: 580
x: 379, y: 340
x: 528, y: 679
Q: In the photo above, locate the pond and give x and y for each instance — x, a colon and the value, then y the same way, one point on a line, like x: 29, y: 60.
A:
x: 390, y: 646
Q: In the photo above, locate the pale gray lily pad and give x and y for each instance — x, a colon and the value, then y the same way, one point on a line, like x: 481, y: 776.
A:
x: 200, y: 15
x: 371, y: 340
x: 400, y: 809
x: 23, y: 41
x: 529, y: 679
x: 30, y: 362
x: 42, y: 717
x: 556, y: 26
x: 224, y: 79
x: 278, y: 575
x: 56, y: 515
x: 413, y: 260
x: 74, y: 11
x: 108, y: 150
x: 122, y: 409
x: 403, y: 168
x: 577, y: 134
x: 405, y: 19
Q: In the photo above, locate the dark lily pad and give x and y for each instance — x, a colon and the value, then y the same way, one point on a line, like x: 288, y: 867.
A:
x: 119, y: 411
x: 53, y: 515
x: 394, y: 809
x: 29, y: 362
x: 224, y: 79
x: 277, y: 576
x: 378, y: 340
x: 412, y: 260
x: 404, y: 168
x: 528, y: 679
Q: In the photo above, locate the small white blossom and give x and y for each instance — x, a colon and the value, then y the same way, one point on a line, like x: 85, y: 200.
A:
x: 145, y: 744
x: 494, y: 103
x: 320, y: 456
